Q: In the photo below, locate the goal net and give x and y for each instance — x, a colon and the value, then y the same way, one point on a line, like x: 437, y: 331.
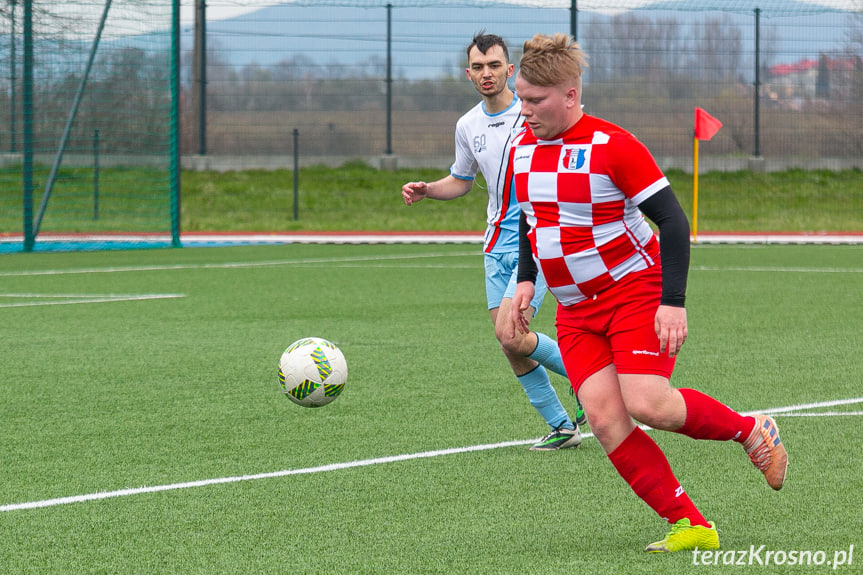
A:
x: 88, y: 137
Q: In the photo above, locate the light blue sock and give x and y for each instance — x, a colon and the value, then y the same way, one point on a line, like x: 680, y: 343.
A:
x: 544, y: 399
x: 548, y: 354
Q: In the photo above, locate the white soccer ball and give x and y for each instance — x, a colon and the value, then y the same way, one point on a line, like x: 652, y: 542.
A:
x: 312, y: 372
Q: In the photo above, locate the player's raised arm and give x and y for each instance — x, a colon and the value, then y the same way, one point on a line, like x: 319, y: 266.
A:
x: 447, y: 188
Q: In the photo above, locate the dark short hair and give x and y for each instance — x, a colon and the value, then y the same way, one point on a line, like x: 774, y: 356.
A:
x: 484, y: 41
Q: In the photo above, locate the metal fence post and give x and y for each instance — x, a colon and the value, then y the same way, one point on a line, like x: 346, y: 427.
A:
x: 27, y: 176
x: 757, y: 110
x: 96, y: 174
x: 389, y: 79
x: 175, y: 124
x: 12, y: 72
x: 200, y: 72
x: 296, y: 175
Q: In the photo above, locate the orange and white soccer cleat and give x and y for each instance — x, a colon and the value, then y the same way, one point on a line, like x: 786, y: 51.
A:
x: 767, y: 451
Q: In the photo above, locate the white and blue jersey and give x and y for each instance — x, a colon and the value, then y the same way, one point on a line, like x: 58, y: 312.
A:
x: 482, y: 142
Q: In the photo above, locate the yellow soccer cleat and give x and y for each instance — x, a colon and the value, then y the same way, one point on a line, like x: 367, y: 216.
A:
x: 685, y: 537
x: 767, y: 451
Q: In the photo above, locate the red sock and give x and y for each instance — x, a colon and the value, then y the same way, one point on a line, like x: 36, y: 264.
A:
x: 643, y: 465
x: 707, y: 418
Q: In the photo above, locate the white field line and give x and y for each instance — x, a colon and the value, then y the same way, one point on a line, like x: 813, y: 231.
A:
x: 67, y: 299
x: 804, y: 406
x: 349, y: 464
x: 231, y: 265
x: 196, y: 239
x: 779, y: 269
x: 823, y: 414
x: 367, y: 261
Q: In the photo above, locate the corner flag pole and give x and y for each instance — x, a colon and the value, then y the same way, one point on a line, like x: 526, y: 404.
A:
x: 694, y: 190
x: 706, y: 127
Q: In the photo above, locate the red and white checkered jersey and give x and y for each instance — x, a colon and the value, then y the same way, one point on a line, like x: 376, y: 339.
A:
x: 580, y: 194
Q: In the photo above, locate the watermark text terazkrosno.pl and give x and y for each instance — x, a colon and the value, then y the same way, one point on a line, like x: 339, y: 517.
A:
x: 763, y: 556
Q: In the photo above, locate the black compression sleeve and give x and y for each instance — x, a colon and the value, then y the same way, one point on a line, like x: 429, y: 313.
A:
x: 664, y: 210
x: 527, y: 271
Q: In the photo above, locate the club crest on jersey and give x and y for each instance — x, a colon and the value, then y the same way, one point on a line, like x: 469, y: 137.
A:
x: 574, y: 158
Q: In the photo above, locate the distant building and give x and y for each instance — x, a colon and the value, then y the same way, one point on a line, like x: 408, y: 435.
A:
x: 824, y: 79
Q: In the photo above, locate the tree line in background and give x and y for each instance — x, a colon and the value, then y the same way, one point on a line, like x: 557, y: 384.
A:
x: 645, y: 73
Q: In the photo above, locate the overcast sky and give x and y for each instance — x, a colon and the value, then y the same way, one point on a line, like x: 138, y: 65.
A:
x: 222, y: 9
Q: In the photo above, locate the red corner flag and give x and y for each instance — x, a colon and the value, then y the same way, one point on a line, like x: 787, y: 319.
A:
x: 706, y: 125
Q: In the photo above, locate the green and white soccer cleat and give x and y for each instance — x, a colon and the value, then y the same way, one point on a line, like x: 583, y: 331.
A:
x: 558, y: 438
x: 580, y: 417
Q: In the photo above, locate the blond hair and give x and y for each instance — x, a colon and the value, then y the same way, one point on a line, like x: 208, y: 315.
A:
x: 552, y: 60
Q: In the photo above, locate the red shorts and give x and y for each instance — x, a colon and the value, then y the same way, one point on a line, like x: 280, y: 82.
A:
x: 614, y: 327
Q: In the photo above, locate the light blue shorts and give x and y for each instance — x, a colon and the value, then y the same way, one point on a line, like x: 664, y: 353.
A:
x: 501, y: 276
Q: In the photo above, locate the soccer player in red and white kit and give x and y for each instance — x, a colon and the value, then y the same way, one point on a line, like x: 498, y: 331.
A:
x: 584, y: 186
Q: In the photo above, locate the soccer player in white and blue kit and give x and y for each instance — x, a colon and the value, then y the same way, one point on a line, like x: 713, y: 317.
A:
x: 482, y: 140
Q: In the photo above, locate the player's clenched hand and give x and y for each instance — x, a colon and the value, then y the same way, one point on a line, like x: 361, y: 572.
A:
x: 671, y: 329
x: 414, y: 192
x: 520, y: 302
